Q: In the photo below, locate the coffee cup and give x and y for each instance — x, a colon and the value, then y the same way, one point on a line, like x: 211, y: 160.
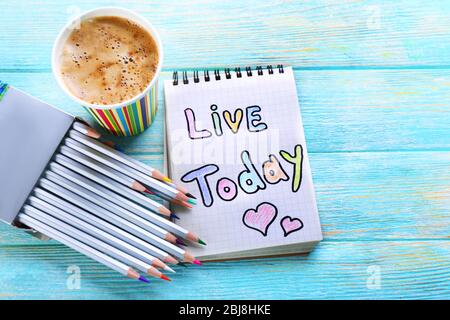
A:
x: 125, y: 118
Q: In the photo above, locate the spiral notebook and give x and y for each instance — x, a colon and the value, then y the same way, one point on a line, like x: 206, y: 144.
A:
x: 235, y: 139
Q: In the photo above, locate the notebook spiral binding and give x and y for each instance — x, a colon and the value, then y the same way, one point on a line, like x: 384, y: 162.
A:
x: 227, y: 74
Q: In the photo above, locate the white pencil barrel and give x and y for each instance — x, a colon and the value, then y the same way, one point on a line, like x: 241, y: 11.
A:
x: 118, y: 199
x: 157, y: 185
x: 90, y: 229
x: 74, y: 244
x: 97, y: 166
x: 104, y: 225
x: 85, y: 238
x: 115, y: 154
x: 108, y: 183
x: 108, y: 216
x: 107, y: 205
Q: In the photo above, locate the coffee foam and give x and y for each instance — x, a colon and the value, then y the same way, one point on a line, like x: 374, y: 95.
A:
x: 108, y: 60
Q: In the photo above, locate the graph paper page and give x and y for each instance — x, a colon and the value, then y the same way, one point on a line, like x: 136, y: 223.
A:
x: 238, y: 145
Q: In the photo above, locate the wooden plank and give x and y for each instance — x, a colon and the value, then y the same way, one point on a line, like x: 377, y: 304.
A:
x: 374, y: 195
x: 382, y: 193
x: 373, y: 83
x: 342, y: 110
x: 301, y: 33
x: 335, y: 270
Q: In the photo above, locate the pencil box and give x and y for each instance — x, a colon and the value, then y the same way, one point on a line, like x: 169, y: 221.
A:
x: 30, y: 133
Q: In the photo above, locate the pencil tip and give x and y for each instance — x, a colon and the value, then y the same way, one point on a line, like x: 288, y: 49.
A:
x: 192, y: 201
x: 109, y: 143
x: 167, y: 268
x: 163, y: 276
x: 202, y: 242
x: 148, y: 191
x: 167, y: 179
x: 138, y: 187
x: 197, y: 262
x: 186, y: 204
x: 180, y: 242
x: 93, y: 133
x: 143, y: 279
x: 170, y: 259
x: 190, y: 195
x: 163, y: 210
x: 173, y: 215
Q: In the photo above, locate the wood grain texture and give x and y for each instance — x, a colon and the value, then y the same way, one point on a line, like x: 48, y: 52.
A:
x: 335, y: 270
x: 373, y: 79
x: 201, y: 33
x: 342, y: 110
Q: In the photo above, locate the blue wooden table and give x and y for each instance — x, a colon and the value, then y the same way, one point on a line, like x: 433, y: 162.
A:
x: 374, y: 86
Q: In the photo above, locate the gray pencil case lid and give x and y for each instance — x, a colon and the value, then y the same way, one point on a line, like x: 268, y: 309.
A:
x: 30, y: 132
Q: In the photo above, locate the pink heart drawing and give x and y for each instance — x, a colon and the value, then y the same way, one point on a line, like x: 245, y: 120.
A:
x: 289, y: 225
x: 261, y: 218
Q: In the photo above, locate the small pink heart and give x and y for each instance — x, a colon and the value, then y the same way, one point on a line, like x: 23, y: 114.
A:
x: 289, y: 225
x: 261, y: 218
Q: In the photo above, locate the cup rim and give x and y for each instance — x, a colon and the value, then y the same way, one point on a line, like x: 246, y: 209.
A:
x: 136, y: 18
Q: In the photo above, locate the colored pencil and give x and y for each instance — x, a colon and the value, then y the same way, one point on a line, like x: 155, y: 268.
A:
x: 173, y: 201
x: 123, y: 202
x: 122, y: 168
x: 125, y: 159
x: 118, y: 167
x: 112, y: 207
x: 103, y: 225
x: 114, y: 219
x: 96, y: 232
x: 99, y: 167
x: 86, y: 130
x: 112, y: 185
x: 81, y: 247
x: 118, y: 221
x: 93, y: 242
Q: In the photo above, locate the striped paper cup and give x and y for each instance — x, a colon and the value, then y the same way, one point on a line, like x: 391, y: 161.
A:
x: 130, y: 117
